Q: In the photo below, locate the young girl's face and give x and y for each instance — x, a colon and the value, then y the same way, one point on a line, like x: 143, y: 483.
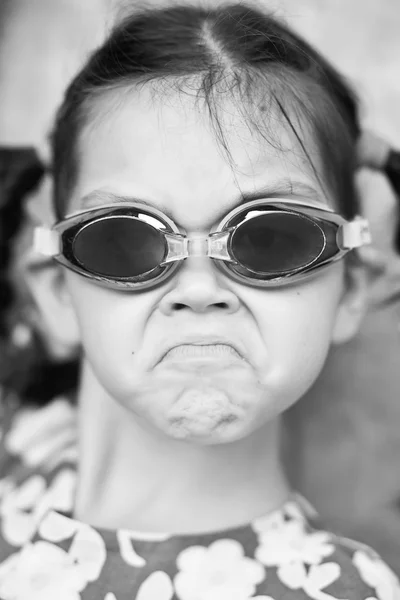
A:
x: 168, y: 154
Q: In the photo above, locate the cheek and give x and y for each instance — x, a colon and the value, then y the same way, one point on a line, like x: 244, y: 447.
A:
x: 296, y: 326
x: 111, y: 324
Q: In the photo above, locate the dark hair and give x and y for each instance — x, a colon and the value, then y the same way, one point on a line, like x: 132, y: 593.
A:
x: 27, y: 372
x: 232, y: 47
x: 392, y: 170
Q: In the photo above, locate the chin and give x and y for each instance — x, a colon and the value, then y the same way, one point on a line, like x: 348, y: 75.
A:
x: 208, y: 431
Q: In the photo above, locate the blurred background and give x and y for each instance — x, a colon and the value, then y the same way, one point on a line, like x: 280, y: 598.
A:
x: 344, y: 437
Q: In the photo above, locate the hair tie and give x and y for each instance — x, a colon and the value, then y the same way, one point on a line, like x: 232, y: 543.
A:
x: 377, y: 154
x: 373, y: 151
x: 392, y: 170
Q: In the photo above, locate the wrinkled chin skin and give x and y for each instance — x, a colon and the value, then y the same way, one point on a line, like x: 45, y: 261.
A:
x: 206, y: 408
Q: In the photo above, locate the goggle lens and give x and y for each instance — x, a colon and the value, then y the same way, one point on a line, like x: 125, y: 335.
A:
x: 277, y: 242
x: 119, y: 247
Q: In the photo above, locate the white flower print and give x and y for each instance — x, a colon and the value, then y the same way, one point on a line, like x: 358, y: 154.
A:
x: 55, y: 527
x: 126, y: 539
x: 128, y: 552
x: 318, y: 577
x: 16, y: 504
x: 60, y: 494
x: 375, y: 573
x: 40, y: 436
x: 6, y: 485
x: 157, y: 586
x: 22, y: 507
x: 272, y: 521
x: 43, y: 571
x: 289, y: 547
x: 292, y: 544
x: 219, y: 572
x: 300, y: 509
x: 296, y: 510
x: 87, y: 548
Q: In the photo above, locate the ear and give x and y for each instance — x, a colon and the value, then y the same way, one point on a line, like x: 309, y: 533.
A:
x: 52, y: 314
x: 353, y: 304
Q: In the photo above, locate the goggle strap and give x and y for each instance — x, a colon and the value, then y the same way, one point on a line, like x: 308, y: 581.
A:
x: 354, y: 234
x: 46, y: 241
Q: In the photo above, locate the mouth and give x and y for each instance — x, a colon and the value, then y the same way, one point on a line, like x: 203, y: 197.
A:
x: 205, y: 350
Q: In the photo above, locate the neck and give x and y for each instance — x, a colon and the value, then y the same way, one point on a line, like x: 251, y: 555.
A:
x: 131, y: 477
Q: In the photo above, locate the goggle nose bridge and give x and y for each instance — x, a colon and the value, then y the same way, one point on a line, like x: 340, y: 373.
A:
x: 215, y: 245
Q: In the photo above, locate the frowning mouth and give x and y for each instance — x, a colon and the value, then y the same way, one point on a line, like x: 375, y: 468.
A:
x: 202, y: 351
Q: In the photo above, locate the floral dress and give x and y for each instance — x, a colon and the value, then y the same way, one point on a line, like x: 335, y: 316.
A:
x: 46, y: 554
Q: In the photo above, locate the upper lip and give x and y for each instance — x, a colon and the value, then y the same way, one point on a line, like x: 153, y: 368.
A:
x: 203, y: 341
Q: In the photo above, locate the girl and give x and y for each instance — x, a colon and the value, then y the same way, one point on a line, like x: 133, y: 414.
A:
x: 207, y: 255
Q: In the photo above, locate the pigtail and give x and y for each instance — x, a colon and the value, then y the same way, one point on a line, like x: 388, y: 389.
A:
x: 375, y: 153
x: 26, y: 370
x: 20, y: 173
x: 392, y: 170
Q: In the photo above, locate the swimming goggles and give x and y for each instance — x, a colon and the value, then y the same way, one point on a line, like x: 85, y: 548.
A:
x: 263, y: 243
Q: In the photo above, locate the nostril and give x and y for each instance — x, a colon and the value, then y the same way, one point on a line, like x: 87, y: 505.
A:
x: 178, y: 306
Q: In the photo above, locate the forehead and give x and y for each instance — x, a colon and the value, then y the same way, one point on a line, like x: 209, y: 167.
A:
x: 168, y: 151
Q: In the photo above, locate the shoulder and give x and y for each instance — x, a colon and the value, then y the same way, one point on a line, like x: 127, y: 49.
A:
x: 37, y: 472
x: 356, y: 574
x: 362, y: 567
x: 302, y: 560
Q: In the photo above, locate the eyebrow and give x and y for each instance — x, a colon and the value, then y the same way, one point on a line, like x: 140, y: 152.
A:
x: 280, y: 189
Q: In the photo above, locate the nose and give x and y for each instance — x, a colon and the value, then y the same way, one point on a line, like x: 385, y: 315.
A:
x: 199, y: 287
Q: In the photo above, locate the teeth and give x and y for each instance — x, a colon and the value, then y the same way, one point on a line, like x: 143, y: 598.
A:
x: 205, y: 350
